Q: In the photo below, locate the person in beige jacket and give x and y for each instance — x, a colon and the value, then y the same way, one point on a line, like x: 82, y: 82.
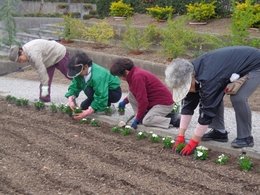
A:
x: 45, y: 56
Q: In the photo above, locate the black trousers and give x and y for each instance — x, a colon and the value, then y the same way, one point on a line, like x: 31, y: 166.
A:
x: 113, y: 97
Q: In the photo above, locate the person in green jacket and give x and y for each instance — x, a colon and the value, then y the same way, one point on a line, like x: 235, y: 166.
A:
x: 100, y: 87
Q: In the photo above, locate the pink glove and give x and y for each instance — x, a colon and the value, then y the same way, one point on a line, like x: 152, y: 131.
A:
x: 72, y: 102
x: 84, y: 113
x: 180, y: 139
x: 188, y: 149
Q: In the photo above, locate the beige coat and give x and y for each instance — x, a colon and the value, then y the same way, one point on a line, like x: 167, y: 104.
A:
x: 42, y: 54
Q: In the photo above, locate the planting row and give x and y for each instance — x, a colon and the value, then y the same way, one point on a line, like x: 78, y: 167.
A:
x: 200, y: 153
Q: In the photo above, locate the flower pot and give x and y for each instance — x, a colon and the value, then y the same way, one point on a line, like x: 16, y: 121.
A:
x: 54, y: 111
x: 98, y: 47
x: 253, y: 29
x: 66, y: 41
x: 162, y: 20
x: 121, y: 113
x: 117, y: 18
x: 169, y: 59
x: 108, y: 113
x: 197, y: 23
x: 135, y: 52
x: 154, y: 20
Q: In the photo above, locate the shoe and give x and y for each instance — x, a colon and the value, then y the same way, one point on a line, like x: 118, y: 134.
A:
x: 215, y: 136
x: 244, y: 142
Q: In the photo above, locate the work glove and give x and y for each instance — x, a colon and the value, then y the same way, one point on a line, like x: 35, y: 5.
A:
x: 45, y: 91
x: 122, y: 104
x: 189, y: 148
x: 84, y: 113
x: 134, y: 124
x: 180, y: 139
x: 72, y: 101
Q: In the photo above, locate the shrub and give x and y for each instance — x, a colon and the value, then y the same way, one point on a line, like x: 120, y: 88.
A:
x: 240, y: 23
x: 174, y: 38
x: 99, y: 33
x: 201, y: 11
x: 62, y: 6
x: 247, y: 8
x: 135, y: 38
x: 121, y: 9
x: 68, y: 29
x: 160, y: 13
x: 88, y: 7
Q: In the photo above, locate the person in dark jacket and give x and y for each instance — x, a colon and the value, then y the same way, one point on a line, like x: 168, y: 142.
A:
x: 203, y: 81
x: 149, y: 97
x: 101, y: 88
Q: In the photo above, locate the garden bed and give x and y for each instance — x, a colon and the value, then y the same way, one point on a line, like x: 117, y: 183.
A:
x: 46, y: 153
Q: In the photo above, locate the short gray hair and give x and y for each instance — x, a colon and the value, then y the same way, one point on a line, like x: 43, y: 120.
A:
x: 178, y: 72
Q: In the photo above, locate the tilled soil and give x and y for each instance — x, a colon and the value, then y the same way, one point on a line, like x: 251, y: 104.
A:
x: 44, y: 153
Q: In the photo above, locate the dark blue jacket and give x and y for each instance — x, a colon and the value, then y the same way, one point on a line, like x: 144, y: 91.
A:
x: 212, y: 73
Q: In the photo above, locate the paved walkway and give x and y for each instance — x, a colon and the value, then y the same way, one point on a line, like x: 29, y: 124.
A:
x: 30, y: 90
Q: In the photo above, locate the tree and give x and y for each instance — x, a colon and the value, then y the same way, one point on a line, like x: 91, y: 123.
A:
x: 7, y: 11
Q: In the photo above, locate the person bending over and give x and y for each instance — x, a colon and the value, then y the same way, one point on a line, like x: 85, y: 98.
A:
x: 100, y: 87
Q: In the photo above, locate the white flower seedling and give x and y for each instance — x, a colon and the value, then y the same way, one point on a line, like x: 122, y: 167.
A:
x: 202, y: 148
x: 222, y: 159
x: 199, y: 154
x: 154, y: 135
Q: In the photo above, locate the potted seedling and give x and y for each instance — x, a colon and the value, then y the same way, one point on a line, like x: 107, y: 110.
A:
x: 116, y: 129
x: 108, y: 111
x: 18, y: 102
x: 94, y: 123
x: 39, y: 105
x: 167, y: 142
x: 200, y: 154
x: 179, y: 147
x: 76, y: 111
x: 84, y: 120
x: 8, y: 98
x: 141, y: 135
x: 154, y: 137
x: 25, y: 102
x: 53, y: 108
x: 61, y: 108
x: 68, y: 111
x: 127, y: 130
x: 121, y: 111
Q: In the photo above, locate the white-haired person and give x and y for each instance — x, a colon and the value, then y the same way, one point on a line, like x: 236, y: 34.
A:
x: 203, y: 82
x: 45, y: 56
x: 150, y: 99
